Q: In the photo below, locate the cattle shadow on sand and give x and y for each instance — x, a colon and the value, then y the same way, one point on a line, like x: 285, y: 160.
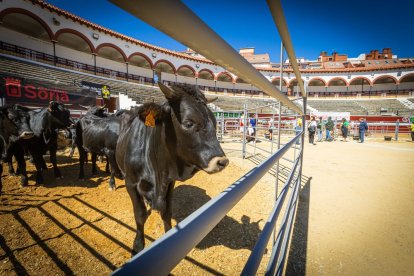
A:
x: 70, y: 170
x: 15, y: 204
x: 228, y: 232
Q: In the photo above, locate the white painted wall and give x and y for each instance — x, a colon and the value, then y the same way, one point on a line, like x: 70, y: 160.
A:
x: 110, y: 64
x: 65, y: 52
x: 135, y: 70
x: 25, y: 41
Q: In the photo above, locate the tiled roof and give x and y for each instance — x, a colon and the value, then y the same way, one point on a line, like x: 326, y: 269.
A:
x: 374, y: 67
x: 97, y: 27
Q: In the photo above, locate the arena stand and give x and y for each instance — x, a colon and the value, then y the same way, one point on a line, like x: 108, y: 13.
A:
x: 18, y: 67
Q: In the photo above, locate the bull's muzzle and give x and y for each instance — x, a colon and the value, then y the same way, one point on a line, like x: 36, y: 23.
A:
x: 26, y: 135
x: 217, y: 164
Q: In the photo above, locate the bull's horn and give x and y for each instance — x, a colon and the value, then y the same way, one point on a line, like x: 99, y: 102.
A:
x: 84, y: 106
x: 210, y: 100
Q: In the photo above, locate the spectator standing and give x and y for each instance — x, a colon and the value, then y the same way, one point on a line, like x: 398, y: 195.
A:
x: 252, y: 126
x: 320, y: 129
x: 241, y: 125
x: 298, y: 128
x: 412, y: 130
x: 271, y: 125
x: 363, y: 127
x: 344, y: 129
x: 312, y: 130
x: 329, y: 128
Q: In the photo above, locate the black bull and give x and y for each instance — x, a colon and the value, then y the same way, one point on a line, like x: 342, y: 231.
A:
x: 14, y: 127
x: 159, y: 144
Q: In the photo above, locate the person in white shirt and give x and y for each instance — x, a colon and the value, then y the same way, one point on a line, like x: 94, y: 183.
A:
x: 312, y: 130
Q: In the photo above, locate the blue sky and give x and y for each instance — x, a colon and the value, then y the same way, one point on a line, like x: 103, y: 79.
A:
x: 348, y: 27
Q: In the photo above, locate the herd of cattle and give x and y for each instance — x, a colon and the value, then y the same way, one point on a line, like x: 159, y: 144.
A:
x: 150, y: 146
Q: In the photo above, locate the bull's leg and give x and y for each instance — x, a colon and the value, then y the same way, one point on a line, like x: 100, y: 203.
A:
x: 11, y: 169
x: 37, y: 162
x: 1, y: 173
x: 112, y: 186
x: 94, y: 170
x: 9, y: 160
x: 110, y: 159
x: 140, y: 214
x: 107, y: 166
x: 21, y: 166
x: 82, y: 157
x: 53, y: 159
x: 72, y: 150
x: 166, y: 211
x: 43, y: 163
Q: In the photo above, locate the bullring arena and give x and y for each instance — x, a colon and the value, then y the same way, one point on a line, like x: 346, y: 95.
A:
x: 353, y: 213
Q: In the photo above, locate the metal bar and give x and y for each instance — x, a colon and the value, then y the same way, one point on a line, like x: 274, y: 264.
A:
x: 244, y: 130
x: 178, y: 21
x: 287, y: 234
x: 280, y: 21
x: 157, y: 258
x: 256, y: 255
x: 274, y: 259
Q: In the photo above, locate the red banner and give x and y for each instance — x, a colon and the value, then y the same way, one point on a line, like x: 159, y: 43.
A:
x: 15, y: 90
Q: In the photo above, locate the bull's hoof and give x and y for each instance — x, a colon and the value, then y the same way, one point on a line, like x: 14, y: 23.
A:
x: 24, y: 182
x: 112, y: 189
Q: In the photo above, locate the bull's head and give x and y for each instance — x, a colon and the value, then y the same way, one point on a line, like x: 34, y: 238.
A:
x: 190, y: 127
x: 61, y: 115
x: 20, y: 118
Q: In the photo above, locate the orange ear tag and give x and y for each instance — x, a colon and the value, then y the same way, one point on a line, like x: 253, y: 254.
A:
x: 150, y: 120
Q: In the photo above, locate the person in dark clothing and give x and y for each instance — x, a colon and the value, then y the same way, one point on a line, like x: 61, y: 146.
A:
x: 329, y: 128
x: 344, y: 129
x: 363, y: 127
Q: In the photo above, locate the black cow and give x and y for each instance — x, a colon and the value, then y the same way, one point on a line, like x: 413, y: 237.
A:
x: 44, y: 123
x: 159, y: 144
x: 98, y: 136
x: 14, y: 127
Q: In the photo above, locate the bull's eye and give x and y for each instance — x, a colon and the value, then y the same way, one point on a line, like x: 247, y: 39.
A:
x: 188, y: 124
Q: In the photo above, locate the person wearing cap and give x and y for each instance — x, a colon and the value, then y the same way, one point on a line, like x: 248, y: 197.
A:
x: 363, y: 127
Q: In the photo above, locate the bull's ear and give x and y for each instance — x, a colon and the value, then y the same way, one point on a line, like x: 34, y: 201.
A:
x: 169, y: 93
x: 210, y: 100
x: 52, y: 105
x: 150, y: 114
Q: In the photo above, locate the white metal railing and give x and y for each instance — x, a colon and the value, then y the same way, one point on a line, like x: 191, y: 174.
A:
x: 178, y: 21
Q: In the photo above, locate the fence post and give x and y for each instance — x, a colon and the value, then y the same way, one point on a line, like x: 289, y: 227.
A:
x: 244, y: 130
x: 397, y: 128
x: 222, y: 126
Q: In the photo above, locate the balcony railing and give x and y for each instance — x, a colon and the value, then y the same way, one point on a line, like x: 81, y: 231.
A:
x: 105, y: 72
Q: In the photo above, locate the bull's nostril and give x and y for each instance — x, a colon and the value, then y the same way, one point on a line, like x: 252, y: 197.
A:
x: 223, y: 162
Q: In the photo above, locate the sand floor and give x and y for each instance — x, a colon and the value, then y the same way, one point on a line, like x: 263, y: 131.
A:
x: 355, y: 217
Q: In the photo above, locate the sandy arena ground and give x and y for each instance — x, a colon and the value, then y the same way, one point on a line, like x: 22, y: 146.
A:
x: 356, y: 217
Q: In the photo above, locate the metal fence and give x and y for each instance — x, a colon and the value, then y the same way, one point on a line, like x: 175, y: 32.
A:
x: 159, y: 258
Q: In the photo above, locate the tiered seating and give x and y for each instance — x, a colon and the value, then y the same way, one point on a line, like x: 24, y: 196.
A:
x: 138, y: 92
x: 337, y: 106
x: 388, y: 106
x: 362, y: 107
x: 231, y: 103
